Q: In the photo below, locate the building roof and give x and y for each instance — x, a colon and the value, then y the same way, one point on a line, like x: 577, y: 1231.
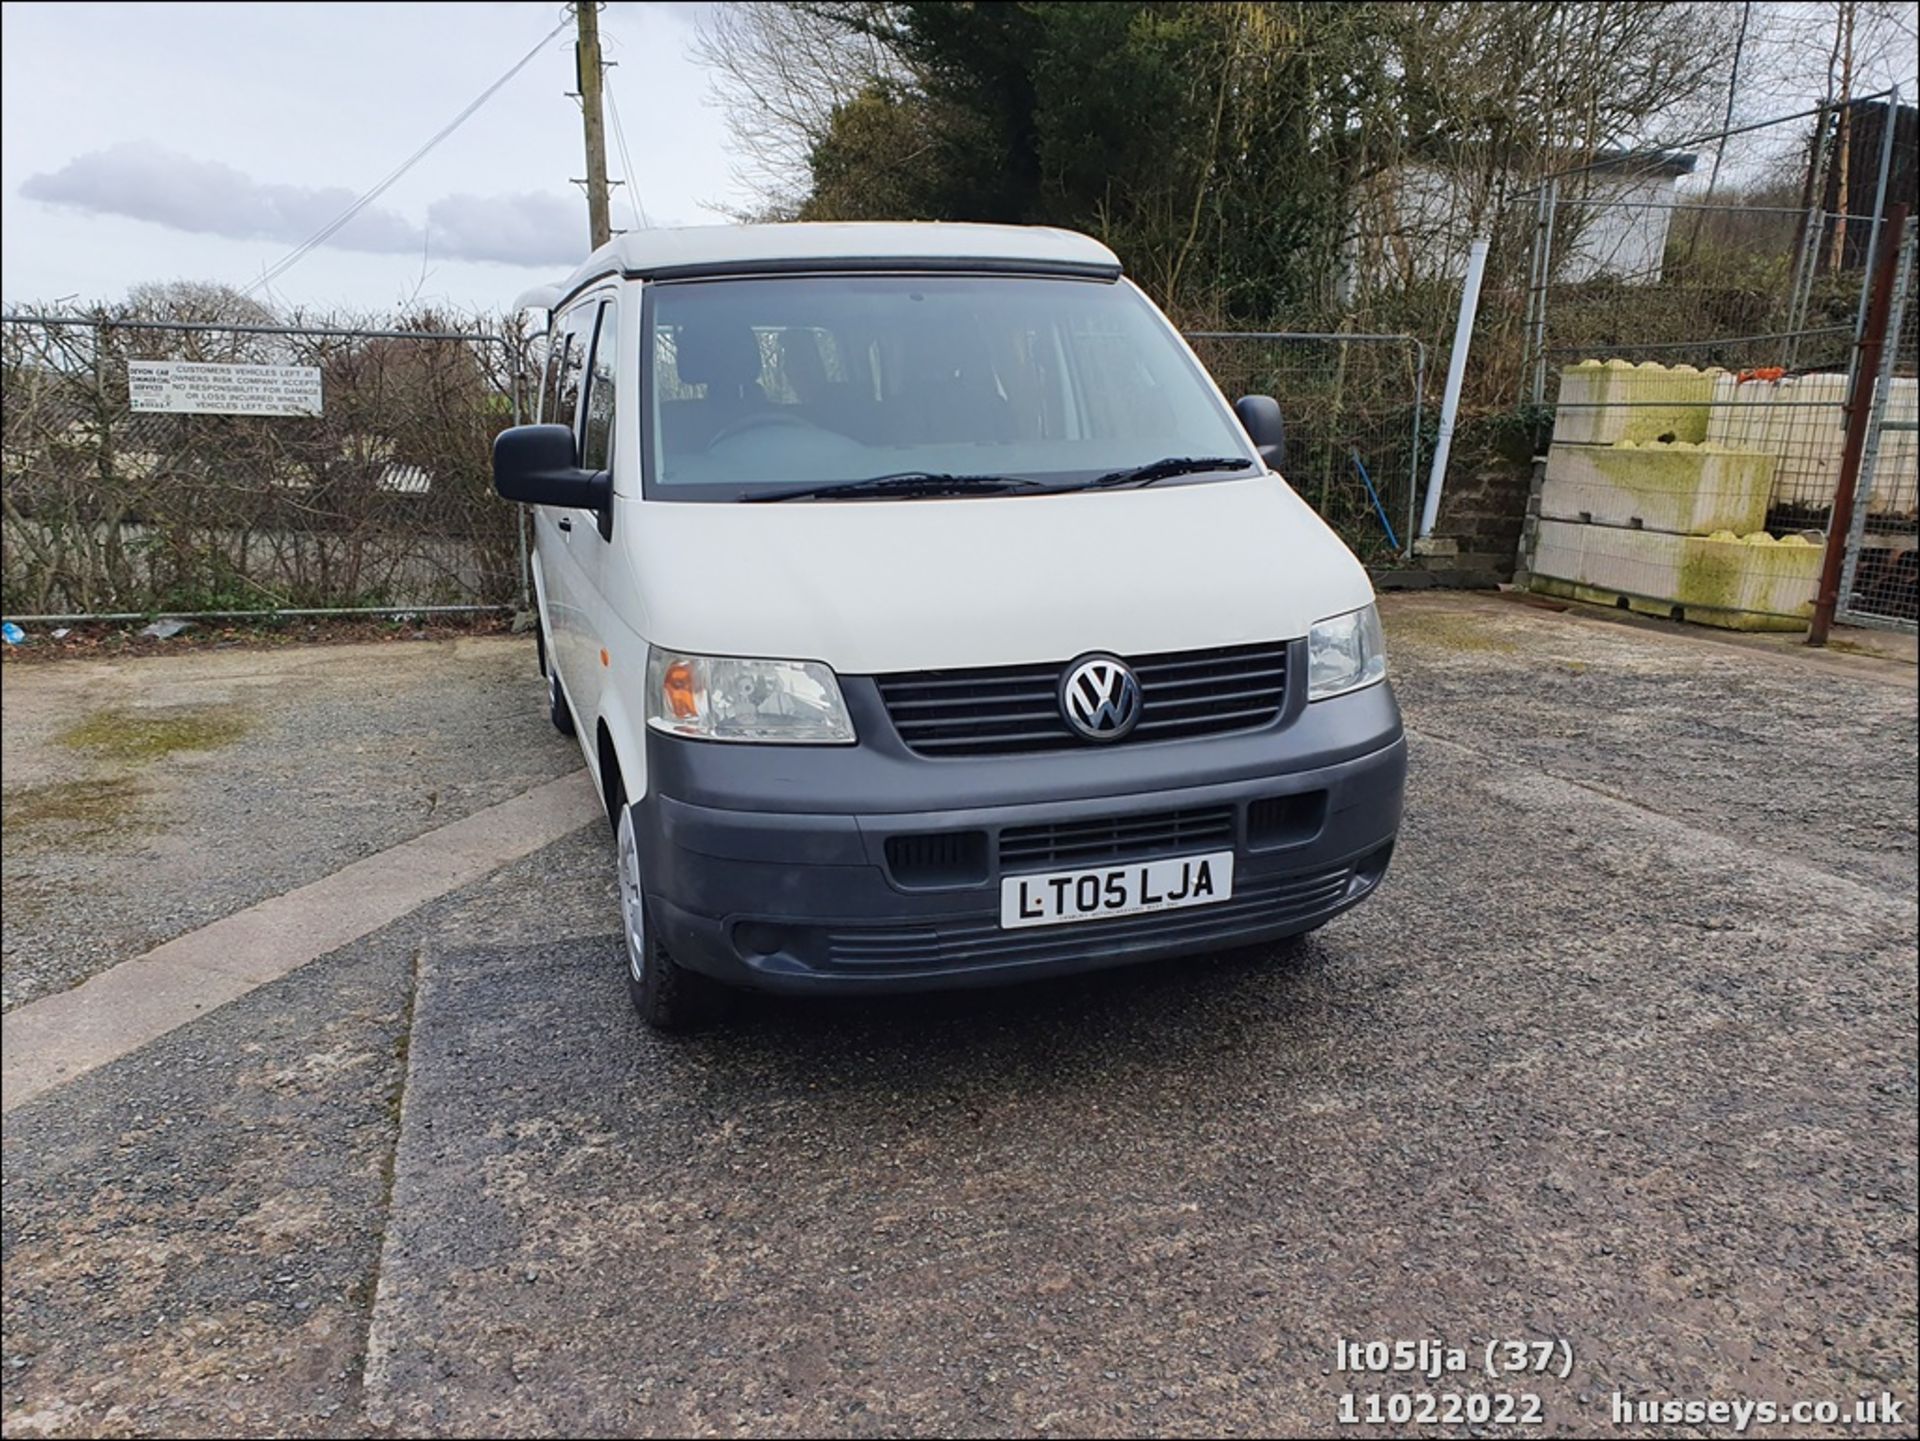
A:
x: 921, y: 245
x: 1643, y: 162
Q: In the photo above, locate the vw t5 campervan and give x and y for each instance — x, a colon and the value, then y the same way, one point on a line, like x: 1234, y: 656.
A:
x: 928, y: 619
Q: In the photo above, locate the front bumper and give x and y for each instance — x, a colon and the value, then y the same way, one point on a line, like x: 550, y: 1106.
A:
x: 827, y: 883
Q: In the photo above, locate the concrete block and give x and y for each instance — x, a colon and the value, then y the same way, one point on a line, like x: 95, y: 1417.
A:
x: 1742, y: 583
x: 1683, y: 488
x: 1436, y: 545
x: 1606, y: 401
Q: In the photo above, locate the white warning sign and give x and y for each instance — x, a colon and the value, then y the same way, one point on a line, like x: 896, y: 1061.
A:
x: 191, y: 387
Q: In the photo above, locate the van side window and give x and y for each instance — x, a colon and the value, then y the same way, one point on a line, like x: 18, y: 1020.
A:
x: 596, y: 441
x: 578, y: 331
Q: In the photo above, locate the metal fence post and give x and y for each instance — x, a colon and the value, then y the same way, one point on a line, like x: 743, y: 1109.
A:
x: 1801, y: 291
x: 1538, y: 394
x: 1456, y: 374
x: 1865, y: 370
x: 1888, y: 125
x: 1413, y: 450
x: 1533, y: 288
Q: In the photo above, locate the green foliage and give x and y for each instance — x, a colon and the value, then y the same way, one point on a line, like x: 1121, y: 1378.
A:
x: 1515, y: 435
x: 1191, y: 137
x: 876, y: 162
x: 1249, y: 162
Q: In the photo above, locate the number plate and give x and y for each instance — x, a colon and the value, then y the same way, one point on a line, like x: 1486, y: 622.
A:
x: 1060, y: 897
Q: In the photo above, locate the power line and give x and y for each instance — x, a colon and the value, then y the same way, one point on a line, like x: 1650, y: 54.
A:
x: 626, y: 163
x: 328, y: 230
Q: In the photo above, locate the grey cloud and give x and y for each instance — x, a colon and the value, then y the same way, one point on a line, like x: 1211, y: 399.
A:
x: 533, y: 229
x: 144, y: 182
x: 204, y: 197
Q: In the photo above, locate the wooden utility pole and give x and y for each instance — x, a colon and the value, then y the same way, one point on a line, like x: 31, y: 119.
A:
x: 586, y: 63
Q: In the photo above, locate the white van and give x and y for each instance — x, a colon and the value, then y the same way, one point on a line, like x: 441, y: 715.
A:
x: 928, y: 619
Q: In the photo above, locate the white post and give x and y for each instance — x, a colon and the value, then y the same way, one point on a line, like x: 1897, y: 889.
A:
x: 1456, y: 372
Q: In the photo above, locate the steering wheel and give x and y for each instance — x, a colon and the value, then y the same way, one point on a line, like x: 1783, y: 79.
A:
x: 758, y: 420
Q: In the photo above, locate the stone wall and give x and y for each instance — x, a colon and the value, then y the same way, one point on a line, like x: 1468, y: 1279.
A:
x: 1482, y: 512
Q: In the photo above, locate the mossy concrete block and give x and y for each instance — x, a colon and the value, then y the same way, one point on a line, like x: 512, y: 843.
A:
x: 1662, y: 609
x: 1606, y: 401
x: 1683, y: 488
x: 1742, y: 583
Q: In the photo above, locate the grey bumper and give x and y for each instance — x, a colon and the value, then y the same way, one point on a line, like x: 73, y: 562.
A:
x: 866, y: 868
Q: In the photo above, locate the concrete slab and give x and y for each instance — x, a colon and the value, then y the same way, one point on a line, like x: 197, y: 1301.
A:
x: 60, y: 1036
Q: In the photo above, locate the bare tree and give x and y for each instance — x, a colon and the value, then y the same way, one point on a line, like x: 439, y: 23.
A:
x: 782, y: 70
x: 1498, y: 96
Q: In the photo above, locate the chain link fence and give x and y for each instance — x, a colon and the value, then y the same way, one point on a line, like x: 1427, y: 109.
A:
x: 1880, y: 582
x: 1354, y: 415
x: 1747, y: 249
x: 382, y: 499
x: 1692, y: 325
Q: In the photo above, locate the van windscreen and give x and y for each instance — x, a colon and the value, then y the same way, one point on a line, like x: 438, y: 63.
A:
x: 759, y: 385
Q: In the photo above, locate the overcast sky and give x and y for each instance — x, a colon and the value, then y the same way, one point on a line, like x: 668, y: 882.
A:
x: 204, y: 142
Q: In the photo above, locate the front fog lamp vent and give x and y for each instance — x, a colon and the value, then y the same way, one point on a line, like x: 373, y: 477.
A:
x: 944, y: 858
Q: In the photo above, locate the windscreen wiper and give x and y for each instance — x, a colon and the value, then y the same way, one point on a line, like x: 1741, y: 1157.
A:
x: 906, y: 484
x: 1166, y: 469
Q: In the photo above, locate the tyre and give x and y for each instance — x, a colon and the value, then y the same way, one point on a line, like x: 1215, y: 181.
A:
x: 557, y: 706
x: 667, y: 995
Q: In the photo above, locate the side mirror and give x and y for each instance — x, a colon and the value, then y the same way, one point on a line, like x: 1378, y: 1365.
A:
x: 1260, y: 417
x: 538, y: 465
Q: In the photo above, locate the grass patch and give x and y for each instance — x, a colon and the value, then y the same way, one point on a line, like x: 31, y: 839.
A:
x: 30, y: 898
x: 1445, y: 629
x: 82, y: 810
x: 133, y: 735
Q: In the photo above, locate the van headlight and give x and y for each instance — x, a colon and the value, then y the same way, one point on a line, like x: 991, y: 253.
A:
x: 722, y: 698
x: 1344, y: 653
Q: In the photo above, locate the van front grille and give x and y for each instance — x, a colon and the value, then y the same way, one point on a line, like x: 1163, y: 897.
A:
x: 999, y: 710
x: 1065, y: 843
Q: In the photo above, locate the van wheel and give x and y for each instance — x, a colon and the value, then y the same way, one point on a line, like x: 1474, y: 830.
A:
x: 668, y: 996
x: 557, y: 706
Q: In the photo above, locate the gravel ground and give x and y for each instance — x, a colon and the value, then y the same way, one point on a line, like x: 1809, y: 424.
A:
x: 146, y: 797
x: 1623, y: 1052
x: 192, y: 1234
x: 1793, y: 752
